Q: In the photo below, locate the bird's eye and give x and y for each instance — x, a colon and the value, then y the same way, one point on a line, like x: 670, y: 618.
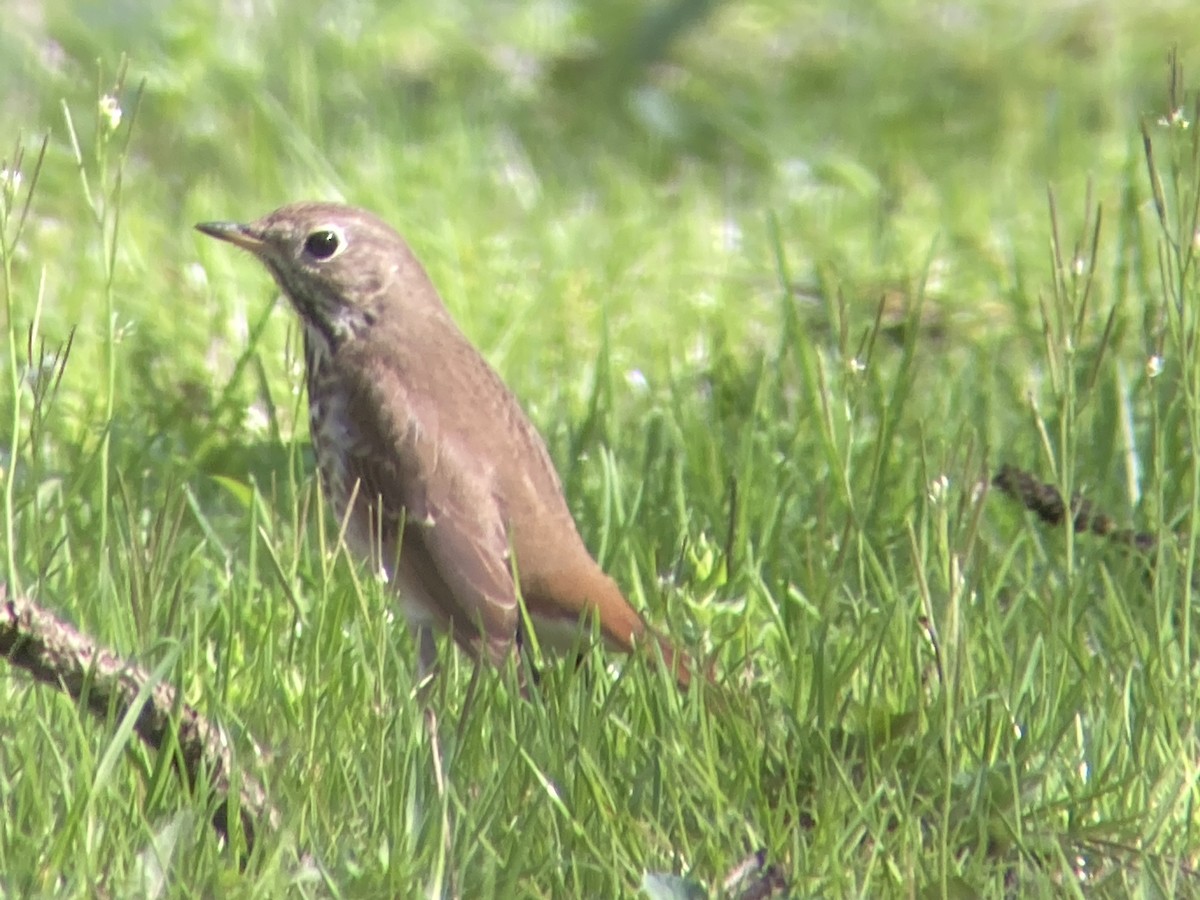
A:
x: 324, y: 243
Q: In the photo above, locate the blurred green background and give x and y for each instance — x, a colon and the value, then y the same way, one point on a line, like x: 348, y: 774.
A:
x: 764, y: 274
x: 661, y: 175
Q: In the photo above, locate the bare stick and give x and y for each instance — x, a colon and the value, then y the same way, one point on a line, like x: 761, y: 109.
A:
x: 1047, y: 504
x: 56, y: 653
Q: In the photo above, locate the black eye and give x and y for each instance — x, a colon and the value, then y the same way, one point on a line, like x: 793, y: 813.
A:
x: 322, y: 244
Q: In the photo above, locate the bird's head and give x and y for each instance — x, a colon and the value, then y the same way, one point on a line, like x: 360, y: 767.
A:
x: 335, y: 263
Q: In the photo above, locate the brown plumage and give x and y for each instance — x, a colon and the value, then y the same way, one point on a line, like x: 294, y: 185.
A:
x: 450, y: 482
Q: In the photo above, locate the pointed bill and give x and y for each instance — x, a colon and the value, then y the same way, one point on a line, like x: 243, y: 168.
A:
x: 234, y: 233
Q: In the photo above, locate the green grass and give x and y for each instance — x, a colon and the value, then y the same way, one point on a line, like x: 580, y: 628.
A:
x: 674, y: 245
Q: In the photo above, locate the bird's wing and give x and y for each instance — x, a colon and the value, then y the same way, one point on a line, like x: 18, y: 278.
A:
x: 453, y: 521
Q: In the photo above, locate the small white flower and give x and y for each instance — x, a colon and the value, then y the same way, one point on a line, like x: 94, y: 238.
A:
x: 938, y: 488
x: 979, y: 489
x: 195, y: 276
x: 110, y: 112
x: 856, y: 366
x: 636, y: 379
x: 257, y: 419
x: 1177, y: 119
x: 1154, y: 366
x: 730, y: 235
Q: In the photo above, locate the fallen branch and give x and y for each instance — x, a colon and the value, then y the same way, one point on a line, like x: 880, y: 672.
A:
x: 1045, y: 501
x: 56, y: 653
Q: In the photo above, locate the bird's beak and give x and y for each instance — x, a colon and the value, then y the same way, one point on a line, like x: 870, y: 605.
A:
x: 244, y: 236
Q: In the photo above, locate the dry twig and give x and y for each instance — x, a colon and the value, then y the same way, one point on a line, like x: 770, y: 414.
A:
x: 56, y: 653
x: 1045, y: 501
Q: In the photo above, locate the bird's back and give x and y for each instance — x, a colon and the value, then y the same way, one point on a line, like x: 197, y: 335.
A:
x: 559, y: 579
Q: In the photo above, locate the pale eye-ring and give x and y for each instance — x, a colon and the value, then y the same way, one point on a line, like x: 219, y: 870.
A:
x: 324, y: 243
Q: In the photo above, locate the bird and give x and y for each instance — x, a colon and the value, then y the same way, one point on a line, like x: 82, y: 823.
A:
x: 427, y: 458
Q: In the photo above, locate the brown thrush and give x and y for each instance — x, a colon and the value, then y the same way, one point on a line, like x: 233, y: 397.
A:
x: 423, y: 452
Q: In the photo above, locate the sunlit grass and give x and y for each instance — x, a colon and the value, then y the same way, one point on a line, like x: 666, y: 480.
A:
x: 780, y: 301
